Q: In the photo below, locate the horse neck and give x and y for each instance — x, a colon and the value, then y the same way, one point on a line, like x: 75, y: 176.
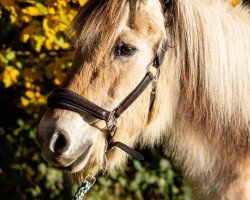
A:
x: 203, y: 109
x: 203, y: 92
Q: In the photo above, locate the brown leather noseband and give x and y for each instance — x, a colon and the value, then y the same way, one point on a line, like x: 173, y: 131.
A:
x: 65, y: 99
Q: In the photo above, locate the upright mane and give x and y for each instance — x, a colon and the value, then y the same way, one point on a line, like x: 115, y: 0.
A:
x: 209, y: 60
x: 214, y: 65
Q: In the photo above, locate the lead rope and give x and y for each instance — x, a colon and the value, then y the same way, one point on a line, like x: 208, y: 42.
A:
x: 84, y: 188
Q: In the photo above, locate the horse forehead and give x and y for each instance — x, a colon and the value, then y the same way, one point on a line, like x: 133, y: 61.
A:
x: 145, y: 23
x: 148, y: 19
x: 146, y: 29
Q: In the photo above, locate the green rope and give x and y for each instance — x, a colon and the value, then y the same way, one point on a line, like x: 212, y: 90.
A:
x: 83, y: 189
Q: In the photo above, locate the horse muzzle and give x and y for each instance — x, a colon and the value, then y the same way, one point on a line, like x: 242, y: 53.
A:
x: 65, y: 144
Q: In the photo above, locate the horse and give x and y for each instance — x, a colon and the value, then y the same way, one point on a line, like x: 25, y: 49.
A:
x: 181, y: 69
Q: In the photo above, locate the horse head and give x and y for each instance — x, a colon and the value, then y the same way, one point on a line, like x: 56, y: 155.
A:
x: 117, y: 43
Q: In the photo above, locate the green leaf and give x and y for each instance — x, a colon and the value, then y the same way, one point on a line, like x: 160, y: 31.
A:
x: 3, y: 59
x: 42, y: 8
x: 59, y: 40
x: 164, y: 164
x: 138, y: 165
x: 104, y: 182
x: 122, y: 181
x: 133, y: 186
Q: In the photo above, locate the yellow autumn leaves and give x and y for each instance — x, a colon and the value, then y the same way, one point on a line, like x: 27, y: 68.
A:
x: 10, y: 76
x: 56, y: 17
x: 45, y: 55
x: 235, y: 2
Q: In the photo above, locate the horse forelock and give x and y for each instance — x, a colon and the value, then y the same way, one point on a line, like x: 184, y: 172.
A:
x: 95, y: 27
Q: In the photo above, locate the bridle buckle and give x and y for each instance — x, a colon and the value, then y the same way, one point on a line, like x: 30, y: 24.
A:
x: 111, y: 125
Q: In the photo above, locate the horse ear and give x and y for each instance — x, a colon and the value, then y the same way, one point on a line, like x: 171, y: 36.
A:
x: 166, y: 4
x: 147, y: 1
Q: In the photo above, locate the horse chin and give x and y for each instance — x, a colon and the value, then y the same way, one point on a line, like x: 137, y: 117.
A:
x: 107, y: 163
x: 79, y: 163
x: 93, y: 165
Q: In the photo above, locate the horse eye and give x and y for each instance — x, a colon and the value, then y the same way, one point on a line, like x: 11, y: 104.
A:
x: 125, y: 50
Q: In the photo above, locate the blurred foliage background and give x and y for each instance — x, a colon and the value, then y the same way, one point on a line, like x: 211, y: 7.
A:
x: 34, y: 58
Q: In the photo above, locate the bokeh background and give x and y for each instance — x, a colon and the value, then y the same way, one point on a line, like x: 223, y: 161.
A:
x: 34, y: 57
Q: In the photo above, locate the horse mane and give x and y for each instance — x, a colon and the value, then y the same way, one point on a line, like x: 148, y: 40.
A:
x: 95, y: 27
x: 212, y: 50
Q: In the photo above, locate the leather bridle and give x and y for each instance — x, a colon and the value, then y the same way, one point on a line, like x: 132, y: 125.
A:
x: 65, y: 99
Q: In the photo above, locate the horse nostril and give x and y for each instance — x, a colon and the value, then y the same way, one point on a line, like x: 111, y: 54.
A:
x: 59, y: 143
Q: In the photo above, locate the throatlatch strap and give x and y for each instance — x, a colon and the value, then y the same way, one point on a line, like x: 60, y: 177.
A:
x: 128, y: 150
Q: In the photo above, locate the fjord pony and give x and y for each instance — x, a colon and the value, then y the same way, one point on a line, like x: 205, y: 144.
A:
x: 201, y: 113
